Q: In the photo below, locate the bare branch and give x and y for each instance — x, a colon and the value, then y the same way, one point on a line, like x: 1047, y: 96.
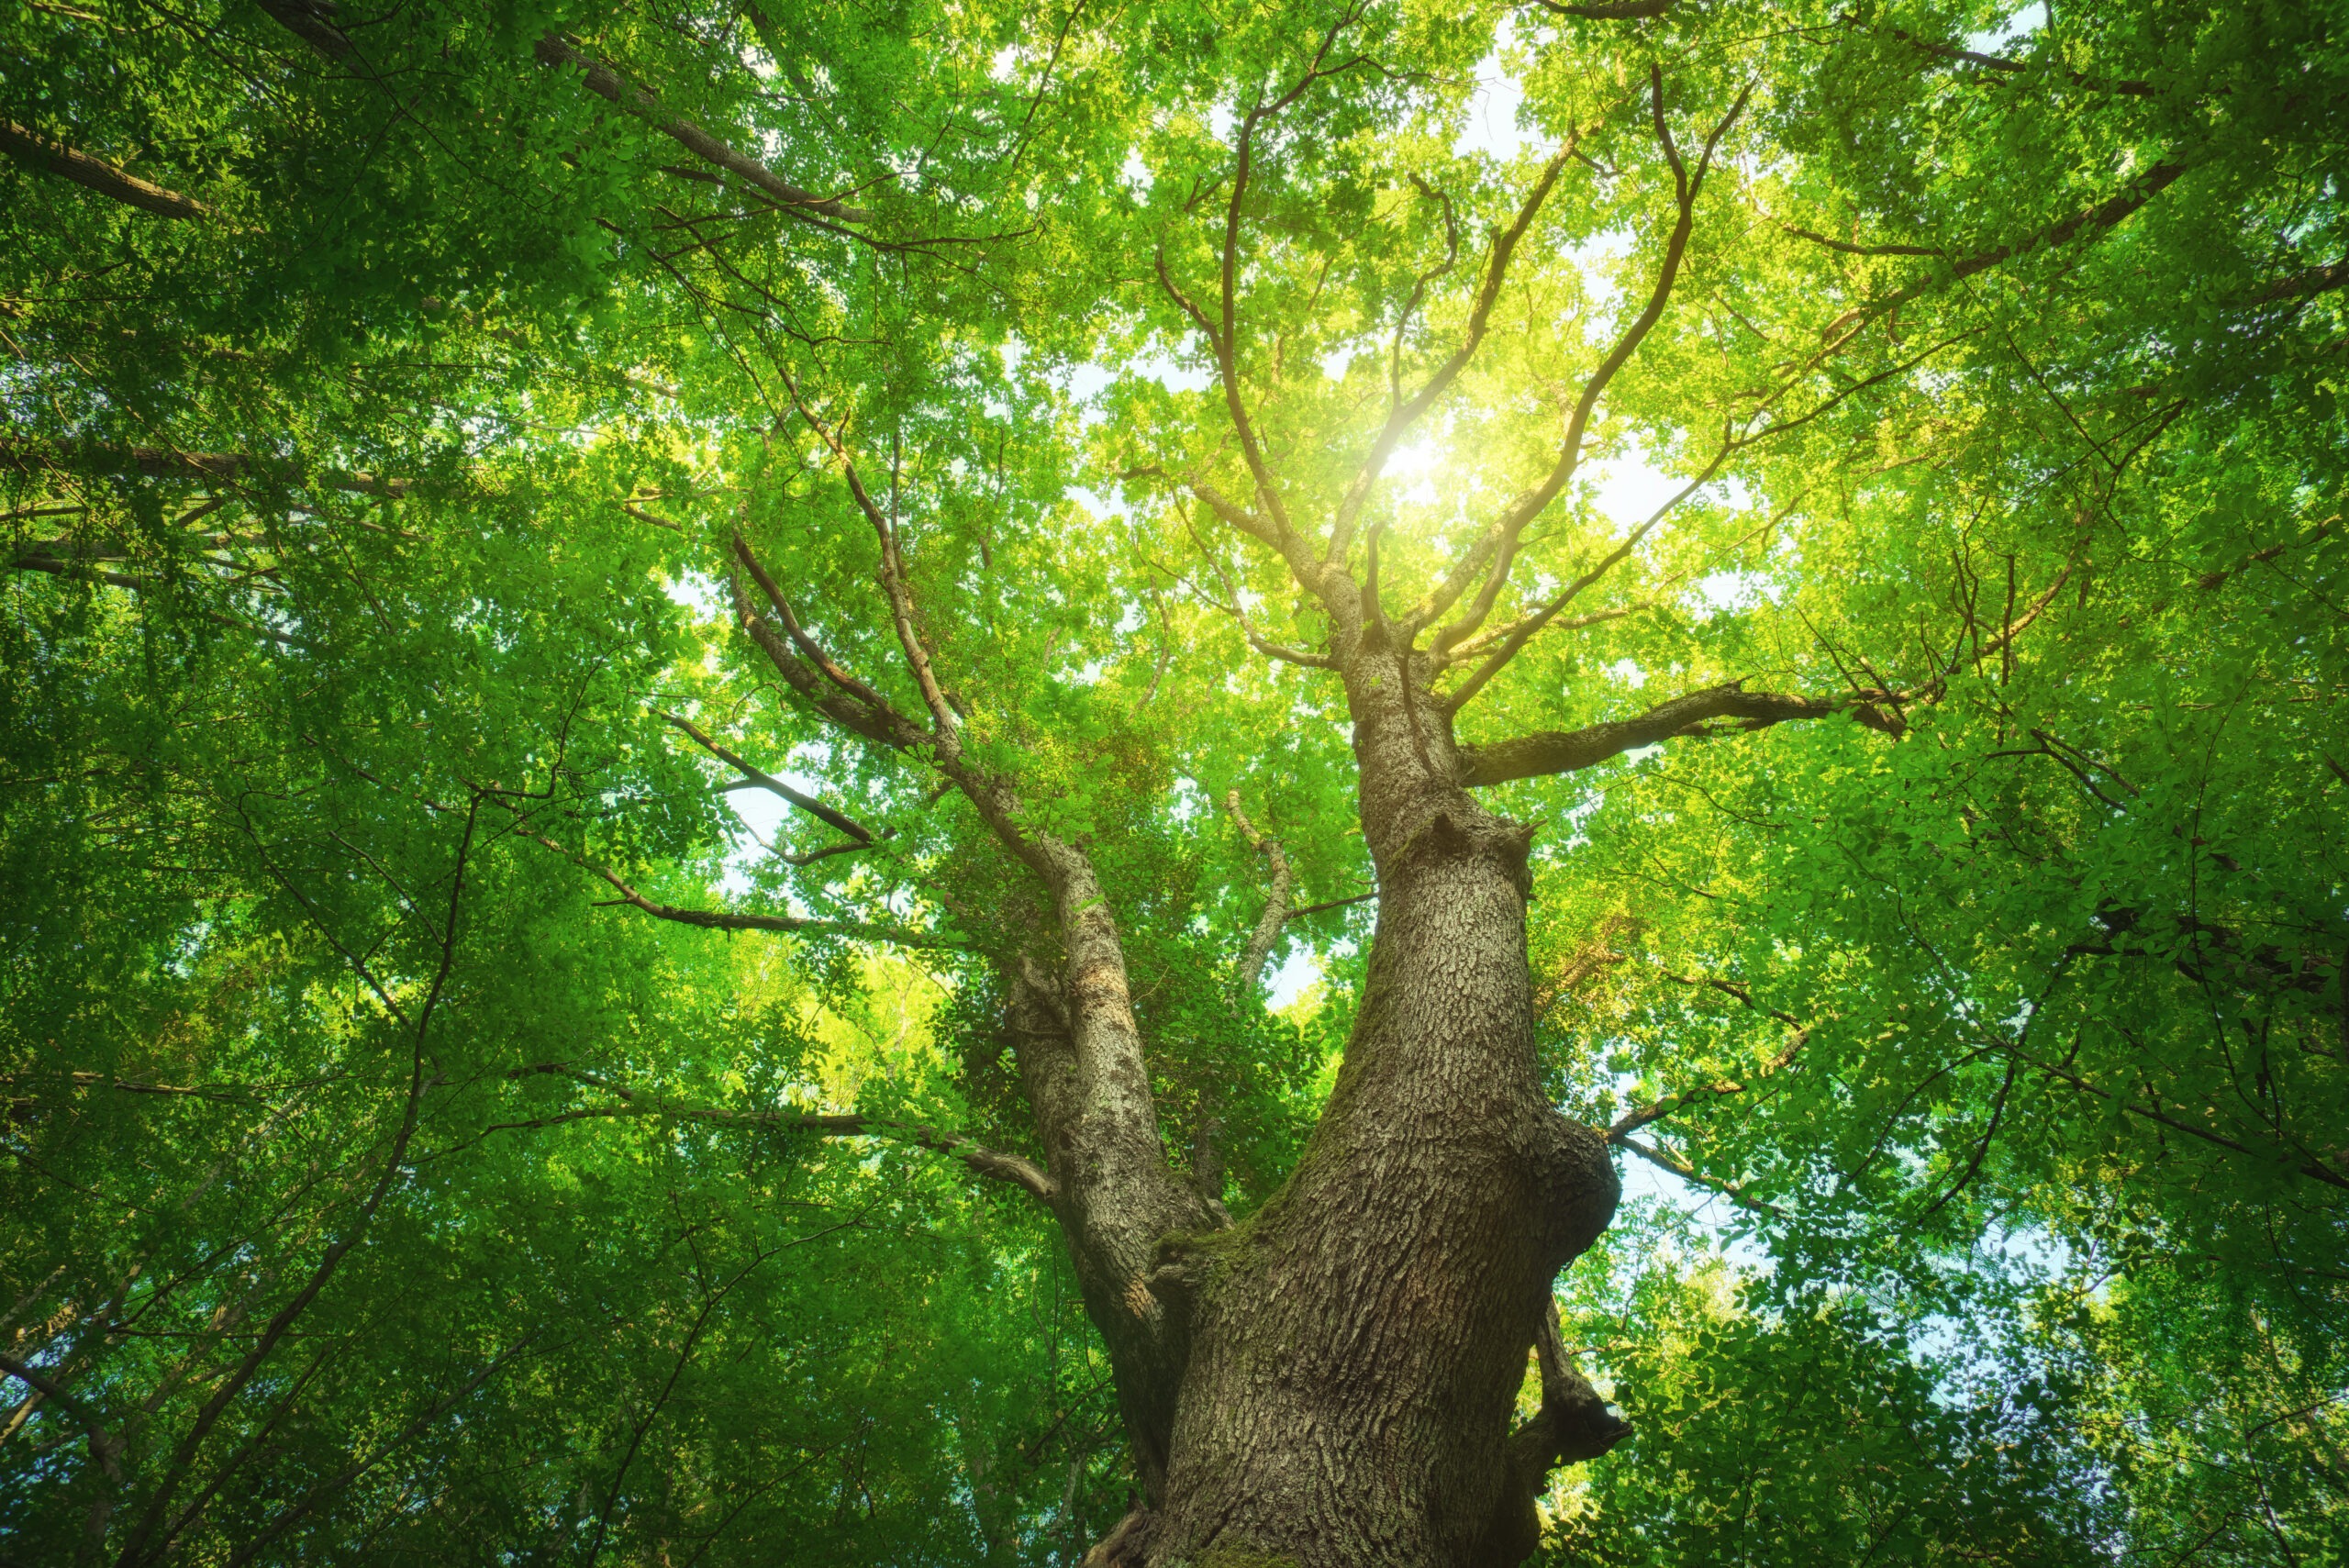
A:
x: 1225, y: 341
x: 1330, y: 903
x: 1230, y: 605
x: 307, y: 20
x: 230, y: 1387
x: 1850, y: 250
x: 104, y: 1447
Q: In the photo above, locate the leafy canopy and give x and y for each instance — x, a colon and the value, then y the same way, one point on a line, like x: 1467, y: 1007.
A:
x: 438, y: 1125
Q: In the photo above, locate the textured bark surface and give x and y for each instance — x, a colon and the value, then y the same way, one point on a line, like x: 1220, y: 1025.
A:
x: 1352, y: 1353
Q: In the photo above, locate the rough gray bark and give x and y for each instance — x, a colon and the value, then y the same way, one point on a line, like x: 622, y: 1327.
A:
x: 1357, y: 1346
x: 1333, y: 1381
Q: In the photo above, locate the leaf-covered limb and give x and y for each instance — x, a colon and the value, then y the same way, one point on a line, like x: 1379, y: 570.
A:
x: 730, y: 920
x: 757, y: 778
x: 37, y: 152
x: 159, y: 463
x: 639, y: 101
x: 1657, y: 1157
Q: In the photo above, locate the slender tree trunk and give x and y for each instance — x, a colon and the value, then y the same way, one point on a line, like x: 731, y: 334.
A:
x: 1354, y: 1349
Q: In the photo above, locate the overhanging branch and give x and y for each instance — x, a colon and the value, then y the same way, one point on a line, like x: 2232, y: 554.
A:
x: 37, y: 152
x: 1023, y: 1173
x: 1729, y: 707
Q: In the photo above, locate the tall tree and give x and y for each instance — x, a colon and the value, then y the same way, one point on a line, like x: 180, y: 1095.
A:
x: 1140, y: 492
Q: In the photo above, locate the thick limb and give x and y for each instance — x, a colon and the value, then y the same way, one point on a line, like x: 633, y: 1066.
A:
x: 1709, y: 711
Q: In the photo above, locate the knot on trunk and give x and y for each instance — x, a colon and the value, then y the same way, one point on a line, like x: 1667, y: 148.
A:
x: 1579, y: 1187
x: 1453, y: 834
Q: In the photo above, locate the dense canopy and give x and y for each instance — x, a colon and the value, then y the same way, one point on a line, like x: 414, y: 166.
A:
x: 707, y: 717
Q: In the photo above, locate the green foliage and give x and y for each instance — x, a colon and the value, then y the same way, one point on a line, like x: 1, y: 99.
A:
x: 379, y: 1189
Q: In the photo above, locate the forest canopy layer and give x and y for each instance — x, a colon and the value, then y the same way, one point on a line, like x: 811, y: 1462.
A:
x: 1212, y: 783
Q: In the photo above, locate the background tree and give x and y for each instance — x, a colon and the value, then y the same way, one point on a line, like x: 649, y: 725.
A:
x: 1136, y: 490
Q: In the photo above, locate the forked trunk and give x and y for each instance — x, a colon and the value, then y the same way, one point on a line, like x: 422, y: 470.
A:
x: 1356, y: 1348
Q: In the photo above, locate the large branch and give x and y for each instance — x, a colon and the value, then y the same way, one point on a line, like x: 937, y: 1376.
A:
x: 638, y: 101
x: 1277, y: 911
x: 1023, y: 1173
x: 809, y: 670
x: 37, y: 152
x: 1698, y: 713
x: 1609, y: 10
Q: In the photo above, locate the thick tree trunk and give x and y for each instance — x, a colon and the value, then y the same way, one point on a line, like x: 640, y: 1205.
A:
x: 1355, y: 1349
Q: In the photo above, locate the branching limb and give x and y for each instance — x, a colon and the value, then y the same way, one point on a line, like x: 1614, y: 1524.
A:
x: 1609, y: 10
x: 1023, y: 1173
x: 375, y: 1456
x: 162, y: 462
x: 1514, y: 640
x: 1404, y: 415
x: 104, y: 1447
x: 1226, y: 342
x: 1687, y: 1172
x: 809, y: 671
x: 1656, y: 1110
x: 1697, y: 714
x: 1494, y: 552
x: 1230, y: 605
x: 183, y: 1457
x: 727, y: 920
x: 1329, y: 903
x: 1956, y: 56
x: 892, y: 579
x: 1277, y: 911
x: 309, y: 21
